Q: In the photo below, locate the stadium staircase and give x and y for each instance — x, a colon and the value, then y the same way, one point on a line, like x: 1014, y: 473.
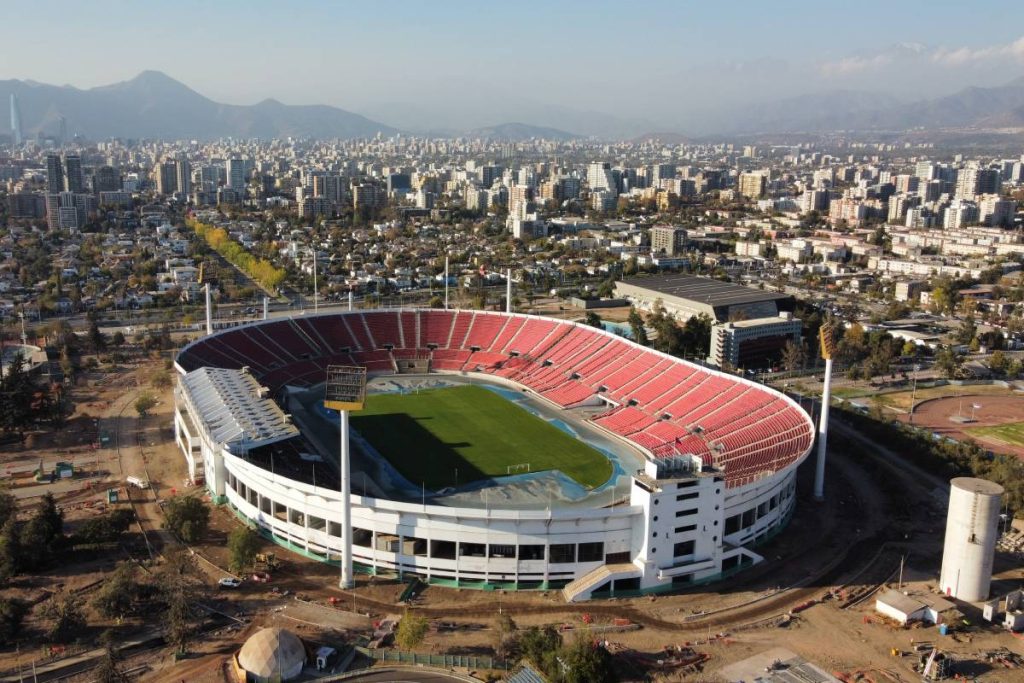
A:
x: 581, y: 588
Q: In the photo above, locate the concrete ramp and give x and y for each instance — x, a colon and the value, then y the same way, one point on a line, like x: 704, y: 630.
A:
x: 581, y: 588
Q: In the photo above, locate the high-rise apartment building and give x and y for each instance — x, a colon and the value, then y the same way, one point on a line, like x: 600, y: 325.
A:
x: 16, y: 133
x: 238, y: 173
x: 752, y: 185
x: 166, y: 177
x: 54, y: 174
x: 601, y: 179
x: 668, y: 240
x: 183, y: 176
x: 74, y: 181
x: 106, y: 179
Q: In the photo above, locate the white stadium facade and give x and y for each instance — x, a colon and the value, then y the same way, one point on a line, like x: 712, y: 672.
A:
x: 720, y: 453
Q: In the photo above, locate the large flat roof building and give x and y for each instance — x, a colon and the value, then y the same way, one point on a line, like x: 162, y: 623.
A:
x: 684, y: 296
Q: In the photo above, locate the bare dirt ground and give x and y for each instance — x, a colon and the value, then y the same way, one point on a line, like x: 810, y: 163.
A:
x: 935, y: 414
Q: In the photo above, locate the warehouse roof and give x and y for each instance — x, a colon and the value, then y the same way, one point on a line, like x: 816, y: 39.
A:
x: 704, y: 290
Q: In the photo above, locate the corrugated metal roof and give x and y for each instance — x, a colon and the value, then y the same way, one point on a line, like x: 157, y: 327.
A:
x: 229, y: 405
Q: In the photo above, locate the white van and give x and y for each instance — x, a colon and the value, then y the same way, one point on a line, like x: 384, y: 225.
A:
x: 138, y: 482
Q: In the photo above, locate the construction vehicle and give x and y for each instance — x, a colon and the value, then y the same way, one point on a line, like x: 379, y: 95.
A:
x: 266, y: 562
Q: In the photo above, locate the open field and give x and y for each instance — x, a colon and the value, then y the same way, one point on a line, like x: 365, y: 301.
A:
x: 429, y: 435
x: 1012, y: 433
x: 997, y: 424
x: 901, y: 399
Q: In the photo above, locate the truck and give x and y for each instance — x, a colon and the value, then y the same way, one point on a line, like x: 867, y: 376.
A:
x: 138, y: 482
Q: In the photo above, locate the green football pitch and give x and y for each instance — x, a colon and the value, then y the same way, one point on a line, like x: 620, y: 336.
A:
x: 1011, y: 432
x: 456, y: 435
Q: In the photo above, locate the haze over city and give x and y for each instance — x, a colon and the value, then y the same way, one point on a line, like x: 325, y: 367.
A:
x: 585, y: 67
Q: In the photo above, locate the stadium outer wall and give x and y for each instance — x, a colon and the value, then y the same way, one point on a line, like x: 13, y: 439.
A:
x: 682, y: 526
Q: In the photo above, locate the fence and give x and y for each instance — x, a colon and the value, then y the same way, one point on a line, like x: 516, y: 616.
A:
x: 441, y: 661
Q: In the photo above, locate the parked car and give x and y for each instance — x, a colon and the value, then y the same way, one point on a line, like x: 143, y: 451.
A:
x: 229, y: 582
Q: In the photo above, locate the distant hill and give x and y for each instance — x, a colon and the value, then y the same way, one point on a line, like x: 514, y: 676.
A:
x: 154, y: 105
x: 664, y: 138
x: 999, y: 106
x: 520, y: 131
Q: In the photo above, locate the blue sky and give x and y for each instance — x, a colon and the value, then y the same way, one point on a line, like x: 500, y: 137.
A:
x: 454, y: 60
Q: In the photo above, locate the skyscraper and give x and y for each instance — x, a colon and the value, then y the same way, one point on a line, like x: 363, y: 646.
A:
x: 73, y: 178
x: 54, y: 174
x: 15, y: 120
x: 183, y: 173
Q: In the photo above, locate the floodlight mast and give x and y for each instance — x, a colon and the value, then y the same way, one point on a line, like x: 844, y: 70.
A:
x: 828, y: 346
x: 345, y: 391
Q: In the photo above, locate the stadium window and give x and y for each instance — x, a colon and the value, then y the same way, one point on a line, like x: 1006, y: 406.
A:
x: 682, y: 580
x: 531, y: 552
x: 762, y: 509
x: 773, y: 503
x: 562, y: 553
x: 472, y: 550
x: 442, y: 550
x: 686, y: 529
x: 683, y: 548
x: 748, y: 518
x: 687, y: 496
x: 732, y: 524
x: 730, y: 563
x: 591, y: 552
x: 501, y: 550
x: 317, y: 523
x: 334, y: 529
x: 686, y: 484
x: 686, y: 513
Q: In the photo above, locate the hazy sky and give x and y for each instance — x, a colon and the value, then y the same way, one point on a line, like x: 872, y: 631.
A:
x: 472, y: 63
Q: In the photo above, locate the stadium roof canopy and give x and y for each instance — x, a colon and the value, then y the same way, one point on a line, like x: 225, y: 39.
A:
x: 233, y: 407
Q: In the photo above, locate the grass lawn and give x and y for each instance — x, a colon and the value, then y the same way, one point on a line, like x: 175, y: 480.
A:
x: 430, y: 434
x: 1011, y: 432
x: 901, y: 399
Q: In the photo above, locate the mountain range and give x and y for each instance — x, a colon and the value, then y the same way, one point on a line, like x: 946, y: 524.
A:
x: 154, y: 105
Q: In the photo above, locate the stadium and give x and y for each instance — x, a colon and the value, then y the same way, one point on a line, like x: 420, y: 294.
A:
x: 496, y: 450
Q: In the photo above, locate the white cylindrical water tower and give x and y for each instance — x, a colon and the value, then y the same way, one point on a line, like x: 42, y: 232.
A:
x: 972, y: 528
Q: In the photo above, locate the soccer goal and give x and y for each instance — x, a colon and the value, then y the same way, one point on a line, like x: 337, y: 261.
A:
x: 515, y: 469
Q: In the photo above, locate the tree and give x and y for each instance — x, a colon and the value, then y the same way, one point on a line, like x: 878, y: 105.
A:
x: 64, y: 612
x: 636, y: 324
x: 179, y: 581
x: 116, y: 598
x: 436, y: 302
x: 586, y: 662
x: 792, y: 356
x: 10, y: 550
x: 948, y: 362
x: 967, y: 331
x: 186, y: 517
x: 243, y: 544
x: 161, y: 380
x: 8, y: 507
x: 594, y: 320
x: 117, y: 339
x: 108, y: 670
x: 106, y: 528
x: 504, y: 630
x: 11, y: 614
x: 411, y: 631
x: 539, y: 646
x: 97, y: 340
x: 144, y: 403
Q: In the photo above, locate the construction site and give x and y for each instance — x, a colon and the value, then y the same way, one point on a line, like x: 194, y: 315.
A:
x: 853, y: 591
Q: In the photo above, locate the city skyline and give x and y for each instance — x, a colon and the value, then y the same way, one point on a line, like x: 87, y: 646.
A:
x: 673, y: 66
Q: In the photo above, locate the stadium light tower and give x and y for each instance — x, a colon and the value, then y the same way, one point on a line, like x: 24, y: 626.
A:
x: 345, y: 391
x: 828, y: 347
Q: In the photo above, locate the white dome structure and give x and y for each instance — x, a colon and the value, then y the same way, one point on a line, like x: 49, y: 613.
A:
x: 272, y: 654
